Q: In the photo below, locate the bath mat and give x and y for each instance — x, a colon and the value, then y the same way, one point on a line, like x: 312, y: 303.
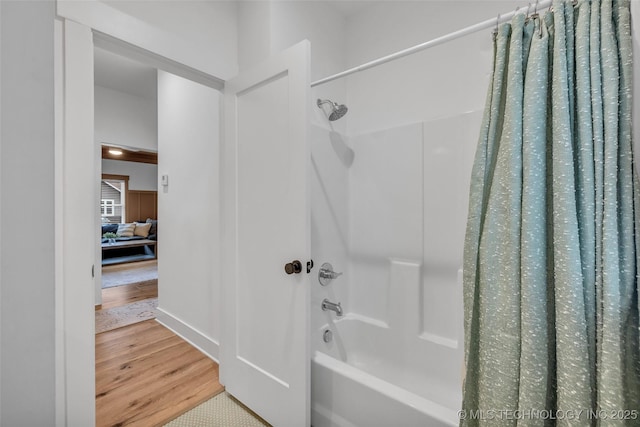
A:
x: 128, y: 274
x: 219, y: 411
x: 117, y: 317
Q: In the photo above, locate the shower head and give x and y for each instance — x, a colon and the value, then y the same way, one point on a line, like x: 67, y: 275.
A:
x: 337, y: 111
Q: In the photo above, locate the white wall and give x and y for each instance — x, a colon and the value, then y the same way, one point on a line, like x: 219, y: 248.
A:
x: 254, y: 32
x: 199, y: 34
x: 439, y: 82
x: 142, y: 176
x: 316, y: 21
x: 125, y: 119
x: 189, y: 210
x: 209, y: 27
x: 27, y: 347
x: 266, y: 28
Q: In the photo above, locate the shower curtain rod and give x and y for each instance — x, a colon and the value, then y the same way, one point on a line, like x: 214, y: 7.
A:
x: 489, y: 23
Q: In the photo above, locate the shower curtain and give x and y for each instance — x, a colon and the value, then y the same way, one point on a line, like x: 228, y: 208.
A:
x: 551, y: 267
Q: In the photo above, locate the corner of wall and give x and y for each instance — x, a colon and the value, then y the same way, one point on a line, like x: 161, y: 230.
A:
x: 254, y: 34
x: 193, y: 336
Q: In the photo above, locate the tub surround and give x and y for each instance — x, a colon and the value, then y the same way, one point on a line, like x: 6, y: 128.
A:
x: 393, y: 221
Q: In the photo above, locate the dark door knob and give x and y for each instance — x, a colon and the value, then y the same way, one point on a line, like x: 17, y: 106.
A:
x: 293, y: 267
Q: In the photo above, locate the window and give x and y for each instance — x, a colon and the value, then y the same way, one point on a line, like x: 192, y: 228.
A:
x: 107, y: 207
x: 113, y: 190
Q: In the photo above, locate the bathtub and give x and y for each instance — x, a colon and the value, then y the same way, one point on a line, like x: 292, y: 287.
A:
x: 368, y: 376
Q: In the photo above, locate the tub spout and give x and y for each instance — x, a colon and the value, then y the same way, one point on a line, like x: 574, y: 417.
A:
x: 328, y: 305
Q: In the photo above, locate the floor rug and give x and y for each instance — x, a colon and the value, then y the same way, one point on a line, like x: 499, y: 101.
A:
x: 129, y: 273
x: 117, y: 317
x: 219, y: 411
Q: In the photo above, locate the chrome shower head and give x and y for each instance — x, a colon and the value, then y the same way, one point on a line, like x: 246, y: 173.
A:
x: 337, y: 111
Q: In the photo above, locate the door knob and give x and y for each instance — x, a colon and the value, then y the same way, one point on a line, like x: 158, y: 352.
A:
x: 293, y: 267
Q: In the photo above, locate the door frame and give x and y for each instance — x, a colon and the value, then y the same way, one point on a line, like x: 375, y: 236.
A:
x: 74, y: 312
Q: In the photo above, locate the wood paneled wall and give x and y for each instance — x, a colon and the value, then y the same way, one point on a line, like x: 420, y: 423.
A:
x: 141, y: 205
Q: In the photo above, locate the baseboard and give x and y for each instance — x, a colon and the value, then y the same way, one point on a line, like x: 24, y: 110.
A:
x: 190, y: 334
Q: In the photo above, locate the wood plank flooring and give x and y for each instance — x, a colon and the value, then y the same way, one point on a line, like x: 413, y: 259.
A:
x: 122, y: 295
x: 145, y: 374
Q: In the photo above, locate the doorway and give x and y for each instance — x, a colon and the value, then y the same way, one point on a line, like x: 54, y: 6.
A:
x: 77, y: 204
x: 75, y: 344
x: 175, y: 120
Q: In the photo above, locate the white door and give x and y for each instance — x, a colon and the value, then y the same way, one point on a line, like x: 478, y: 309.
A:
x: 265, y: 347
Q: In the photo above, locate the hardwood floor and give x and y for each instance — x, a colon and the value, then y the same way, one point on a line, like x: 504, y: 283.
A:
x: 121, y: 295
x: 145, y: 374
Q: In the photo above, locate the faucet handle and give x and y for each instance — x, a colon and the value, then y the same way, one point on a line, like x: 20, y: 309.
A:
x: 331, y: 274
x: 326, y: 274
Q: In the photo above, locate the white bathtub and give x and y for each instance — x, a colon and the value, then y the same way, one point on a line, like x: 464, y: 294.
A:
x: 370, y: 377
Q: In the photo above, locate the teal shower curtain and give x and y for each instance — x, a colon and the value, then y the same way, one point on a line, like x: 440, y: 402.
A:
x: 551, y: 266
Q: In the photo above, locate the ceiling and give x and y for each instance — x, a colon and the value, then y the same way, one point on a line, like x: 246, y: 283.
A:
x: 123, y: 74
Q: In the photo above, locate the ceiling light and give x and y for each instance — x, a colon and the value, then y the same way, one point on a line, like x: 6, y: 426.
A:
x: 115, y: 151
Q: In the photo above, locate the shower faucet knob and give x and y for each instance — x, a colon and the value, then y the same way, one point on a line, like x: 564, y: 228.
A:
x: 326, y: 274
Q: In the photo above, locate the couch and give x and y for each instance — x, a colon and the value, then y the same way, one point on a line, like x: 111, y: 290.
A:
x: 142, y: 235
